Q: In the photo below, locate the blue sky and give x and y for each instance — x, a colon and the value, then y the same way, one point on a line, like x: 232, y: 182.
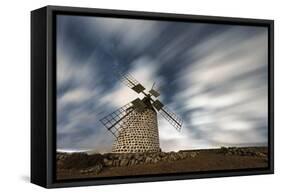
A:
x: 213, y: 76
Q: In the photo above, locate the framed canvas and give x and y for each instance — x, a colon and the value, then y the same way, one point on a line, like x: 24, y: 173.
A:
x: 126, y: 96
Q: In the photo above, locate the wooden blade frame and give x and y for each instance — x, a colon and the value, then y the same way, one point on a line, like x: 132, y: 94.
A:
x: 154, y: 93
x: 157, y: 104
x: 171, y: 117
x: 113, y: 121
x: 131, y: 82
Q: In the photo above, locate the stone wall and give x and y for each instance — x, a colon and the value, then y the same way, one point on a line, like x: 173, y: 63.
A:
x: 94, y: 163
x: 139, y: 133
x: 116, y: 160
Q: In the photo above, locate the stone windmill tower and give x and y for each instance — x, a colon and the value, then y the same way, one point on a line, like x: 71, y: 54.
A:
x: 134, y: 125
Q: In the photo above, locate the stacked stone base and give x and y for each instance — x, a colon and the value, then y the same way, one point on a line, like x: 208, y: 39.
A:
x: 139, y: 133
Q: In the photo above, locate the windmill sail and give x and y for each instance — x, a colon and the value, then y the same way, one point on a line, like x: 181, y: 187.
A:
x: 130, y: 81
x: 171, y: 117
x: 154, y: 92
x: 113, y: 122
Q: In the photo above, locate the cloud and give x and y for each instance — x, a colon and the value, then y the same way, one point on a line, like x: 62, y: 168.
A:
x: 75, y: 96
x: 131, y: 33
x: 213, y: 76
x: 227, y: 82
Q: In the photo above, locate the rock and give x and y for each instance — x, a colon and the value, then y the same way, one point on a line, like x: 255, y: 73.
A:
x: 139, y: 158
x: 95, y: 169
x: 147, y: 160
x: 172, y: 157
x: 116, y: 163
x: 159, y: 158
x: 124, y: 162
x: 130, y: 156
x: 162, y: 154
x: 165, y: 158
x: 105, y: 160
x: 260, y: 154
x: 155, y: 160
x: 82, y: 171
x: 136, y: 155
x: 182, y: 155
x: 120, y: 157
x: 108, y: 162
x: 193, y: 154
x: 132, y: 162
x: 224, y: 150
x: 177, y: 156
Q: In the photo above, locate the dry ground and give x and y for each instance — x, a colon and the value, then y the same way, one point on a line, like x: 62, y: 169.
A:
x: 205, y: 160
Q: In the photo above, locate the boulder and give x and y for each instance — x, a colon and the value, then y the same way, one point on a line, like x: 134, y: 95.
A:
x: 165, y: 158
x: 108, y: 162
x: 182, y: 155
x: 260, y: 154
x: 193, y: 154
x: 116, y: 163
x: 155, y: 160
x: 224, y: 150
x: 148, y: 160
x: 139, y: 158
x: 177, y: 156
x: 132, y: 162
x: 129, y: 156
x: 105, y: 160
x: 162, y: 154
x: 95, y: 169
x: 120, y: 157
x: 172, y: 157
x: 124, y: 162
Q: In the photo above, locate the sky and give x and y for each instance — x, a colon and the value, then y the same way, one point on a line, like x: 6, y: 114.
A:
x: 214, y: 76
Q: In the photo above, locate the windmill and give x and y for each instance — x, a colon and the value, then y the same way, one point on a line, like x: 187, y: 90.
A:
x: 134, y: 125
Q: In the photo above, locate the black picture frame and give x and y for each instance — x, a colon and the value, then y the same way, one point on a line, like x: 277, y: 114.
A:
x: 43, y: 95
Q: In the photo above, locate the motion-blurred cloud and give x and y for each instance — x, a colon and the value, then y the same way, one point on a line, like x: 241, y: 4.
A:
x: 213, y: 76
